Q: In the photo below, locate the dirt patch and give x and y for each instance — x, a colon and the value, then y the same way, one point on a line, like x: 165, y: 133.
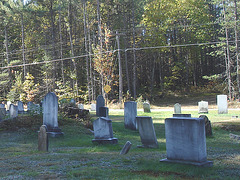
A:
x: 228, y: 125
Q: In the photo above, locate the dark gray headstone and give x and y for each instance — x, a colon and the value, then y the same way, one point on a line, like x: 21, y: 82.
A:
x: 20, y: 107
x: 100, y: 103
x: 147, y: 132
x: 2, y: 105
x: 203, y: 107
x: 126, y: 148
x: 222, y: 104
x: 186, y: 141
x: 146, y: 107
x: 103, y: 132
x: 177, y: 108
x: 208, y: 126
x: 181, y: 115
x: 130, y: 113
x: 30, y: 106
x: 43, y: 138
x: 2, y: 113
x: 13, y: 111
x: 103, y: 112
x: 50, y: 114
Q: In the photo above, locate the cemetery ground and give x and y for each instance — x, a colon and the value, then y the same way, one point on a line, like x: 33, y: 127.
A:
x: 74, y: 156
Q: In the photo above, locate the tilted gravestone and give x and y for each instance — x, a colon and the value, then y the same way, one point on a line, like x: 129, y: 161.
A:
x: 43, y: 138
x: 13, y: 111
x: 147, y: 132
x: 50, y: 114
x: 103, y: 132
x: 103, y: 112
x: 130, y: 113
x: 100, y: 103
x: 20, y: 107
x: 186, y: 141
x: 203, y: 107
x: 146, y: 107
x: 177, y: 108
x: 181, y: 115
x: 126, y: 148
x: 208, y: 127
x: 222, y: 104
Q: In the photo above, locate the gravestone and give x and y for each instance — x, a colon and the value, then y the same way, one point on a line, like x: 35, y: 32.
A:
x: 208, y: 127
x: 50, y: 114
x: 30, y: 106
x: 43, y: 138
x: 103, y: 132
x: 181, y: 115
x: 146, y: 107
x: 177, y: 108
x: 203, y: 107
x: 13, y: 111
x: 37, y: 109
x: 2, y: 105
x: 147, y: 132
x: 20, y: 107
x: 2, y: 113
x: 126, y: 148
x: 100, y: 103
x: 8, y: 105
x: 72, y: 102
x: 103, y: 112
x: 93, y: 107
x: 186, y: 141
x: 222, y: 104
x: 80, y: 106
x: 130, y: 113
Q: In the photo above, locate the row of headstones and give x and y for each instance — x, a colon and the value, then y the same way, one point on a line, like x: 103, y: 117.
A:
x: 185, y: 136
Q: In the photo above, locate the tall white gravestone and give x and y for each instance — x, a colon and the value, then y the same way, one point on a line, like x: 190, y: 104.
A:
x: 177, y: 108
x: 222, y: 104
x: 50, y: 114
x: 130, y: 113
x: 13, y: 111
x: 186, y: 141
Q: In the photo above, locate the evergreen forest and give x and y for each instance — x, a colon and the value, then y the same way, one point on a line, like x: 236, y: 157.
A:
x: 122, y: 49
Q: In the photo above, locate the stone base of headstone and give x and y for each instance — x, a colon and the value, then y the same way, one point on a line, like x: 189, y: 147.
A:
x: 126, y: 148
x: 181, y: 115
x: 55, y: 132
x: 201, y: 164
x: 105, y: 141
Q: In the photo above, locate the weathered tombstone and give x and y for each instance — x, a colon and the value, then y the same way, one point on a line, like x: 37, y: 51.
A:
x: 8, y: 105
x: 147, y: 132
x: 2, y: 105
x: 146, y: 107
x: 130, y: 113
x: 20, y: 107
x: 181, y: 115
x: 208, y: 127
x: 103, y: 132
x: 30, y: 106
x: 80, y: 106
x: 126, y: 148
x: 103, y: 112
x: 13, y: 111
x: 177, y: 108
x: 50, y: 115
x: 186, y: 141
x: 72, y: 102
x: 93, y: 107
x: 37, y: 109
x: 100, y: 103
x: 203, y: 107
x: 2, y: 113
x: 222, y: 104
x: 43, y: 138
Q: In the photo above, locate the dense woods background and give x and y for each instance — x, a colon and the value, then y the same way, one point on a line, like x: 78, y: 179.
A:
x: 82, y: 48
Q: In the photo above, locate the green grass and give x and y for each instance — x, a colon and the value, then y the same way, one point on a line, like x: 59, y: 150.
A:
x: 74, y: 156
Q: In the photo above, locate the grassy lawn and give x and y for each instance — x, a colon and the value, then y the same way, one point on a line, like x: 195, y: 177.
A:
x: 74, y: 156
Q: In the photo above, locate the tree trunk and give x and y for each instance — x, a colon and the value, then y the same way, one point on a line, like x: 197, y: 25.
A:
x: 134, y: 54
x: 120, y: 71
x: 23, y: 48
x: 236, y: 45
